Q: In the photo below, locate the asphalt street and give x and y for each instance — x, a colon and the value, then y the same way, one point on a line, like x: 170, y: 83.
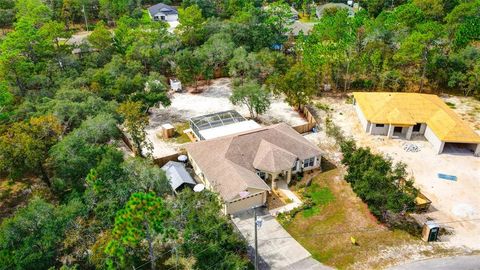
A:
x: 448, y: 263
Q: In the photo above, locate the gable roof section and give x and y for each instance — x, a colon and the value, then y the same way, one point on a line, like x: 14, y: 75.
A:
x: 411, y: 108
x: 160, y: 7
x: 271, y: 158
x: 228, y: 162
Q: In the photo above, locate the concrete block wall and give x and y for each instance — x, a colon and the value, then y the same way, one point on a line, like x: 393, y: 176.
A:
x: 363, y: 120
x: 436, y: 142
x: 374, y: 130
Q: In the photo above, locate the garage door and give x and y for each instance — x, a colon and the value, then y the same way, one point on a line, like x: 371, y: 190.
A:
x: 245, y: 203
x: 460, y: 148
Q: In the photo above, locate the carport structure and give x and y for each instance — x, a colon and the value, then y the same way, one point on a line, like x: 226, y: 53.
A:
x: 402, y: 115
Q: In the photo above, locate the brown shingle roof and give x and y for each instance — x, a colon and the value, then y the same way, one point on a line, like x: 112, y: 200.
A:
x: 271, y: 158
x: 228, y: 162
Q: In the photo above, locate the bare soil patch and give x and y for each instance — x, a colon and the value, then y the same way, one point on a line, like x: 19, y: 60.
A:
x: 327, y: 233
x: 209, y: 99
x: 455, y: 204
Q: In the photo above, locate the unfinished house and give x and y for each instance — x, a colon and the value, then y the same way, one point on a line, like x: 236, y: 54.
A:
x: 243, y: 167
x: 405, y: 115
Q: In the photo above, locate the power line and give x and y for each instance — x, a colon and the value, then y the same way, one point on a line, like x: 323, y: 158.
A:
x: 203, y: 250
x: 326, y: 233
x: 361, y: 230
x: 211, y: 229
x: 142, y: 265
x: 366, y: 230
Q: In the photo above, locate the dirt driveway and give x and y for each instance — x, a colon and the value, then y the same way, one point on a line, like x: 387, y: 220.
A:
x: 456, y: 204
x: 216, y: 99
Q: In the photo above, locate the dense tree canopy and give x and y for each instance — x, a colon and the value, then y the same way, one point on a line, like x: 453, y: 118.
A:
x: 65, y: 95
x: 25, y: 146
x: 406, y: 47
x: 29, y: 239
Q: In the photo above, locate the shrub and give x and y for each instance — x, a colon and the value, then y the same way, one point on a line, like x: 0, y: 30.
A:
x: 333, y: 130
x: 378, y: 182
x: 323, y: 106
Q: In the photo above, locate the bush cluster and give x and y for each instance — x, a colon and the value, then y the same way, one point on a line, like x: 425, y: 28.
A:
x: 378, y: 182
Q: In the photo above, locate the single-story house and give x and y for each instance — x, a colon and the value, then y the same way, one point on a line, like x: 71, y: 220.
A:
x: 178, y: 176
x: 402, y: 115
x: 162, y: 12
x: 301, y: 27
x: 243, y: 168
x: 322, y: 8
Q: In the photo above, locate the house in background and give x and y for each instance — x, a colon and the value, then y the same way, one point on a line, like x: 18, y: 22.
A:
x: 244, y: 167
x: 178, y: 176
x: 301, y: 27
x: 321, y: 9
x: 403, y: 115
x: 162, y: 12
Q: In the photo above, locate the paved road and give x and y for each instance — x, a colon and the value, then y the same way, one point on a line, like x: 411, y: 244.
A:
x: 277, y: 248
x: 449, y: 263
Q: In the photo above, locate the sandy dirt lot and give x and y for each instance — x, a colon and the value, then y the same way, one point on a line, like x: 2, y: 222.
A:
x: 456, y: 204
x: 214, y: 99
x: 467, y: 108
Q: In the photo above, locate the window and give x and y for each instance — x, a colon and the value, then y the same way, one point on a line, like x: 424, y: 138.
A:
x: 261, y: 174
x: 294, y: 168
x: 379, y: 125
x: 416, y: 128
x: 308, y: 162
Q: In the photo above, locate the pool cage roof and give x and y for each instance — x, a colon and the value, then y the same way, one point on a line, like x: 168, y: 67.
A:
x: 215, y: 120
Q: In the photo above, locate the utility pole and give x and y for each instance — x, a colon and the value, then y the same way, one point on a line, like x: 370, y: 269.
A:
x: 256, y: 240
x: 257, y: 223
x: 85, y: 16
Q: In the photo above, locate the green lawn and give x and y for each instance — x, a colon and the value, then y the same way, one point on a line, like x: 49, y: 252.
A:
x: 338, y: 214
x: 320, y: 197
x: 180, y: 137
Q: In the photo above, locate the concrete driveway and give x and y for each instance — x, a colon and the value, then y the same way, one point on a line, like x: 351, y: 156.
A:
x: 277, y: 249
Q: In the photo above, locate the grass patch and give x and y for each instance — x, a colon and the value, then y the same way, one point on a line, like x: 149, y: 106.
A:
x: 323, y: 106
x: 319, y: 195
x: 180, y: 137
x: 338, y: 214
x: 311, y: 211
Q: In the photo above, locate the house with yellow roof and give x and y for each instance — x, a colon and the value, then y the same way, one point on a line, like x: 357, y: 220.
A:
x: 404, y: 115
